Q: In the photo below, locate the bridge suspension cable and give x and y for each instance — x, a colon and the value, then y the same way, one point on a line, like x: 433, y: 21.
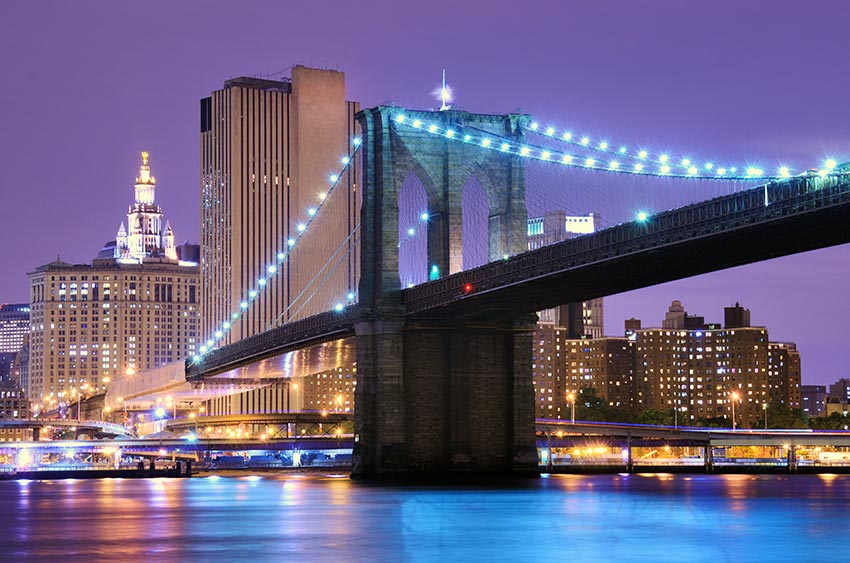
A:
x: 497, y: 143
x: 688, y: 166
x: 282, y: 255
x: 350, y: 297
x: 332, y: 259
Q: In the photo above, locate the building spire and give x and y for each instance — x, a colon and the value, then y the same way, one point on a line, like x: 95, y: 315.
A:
x: 145, y: 177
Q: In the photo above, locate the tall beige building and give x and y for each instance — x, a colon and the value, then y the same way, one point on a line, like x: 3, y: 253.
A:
x: 268, y: 148
x: 124, y: 312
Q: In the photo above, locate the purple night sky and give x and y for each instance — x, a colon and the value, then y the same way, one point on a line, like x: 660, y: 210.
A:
x: 88, y: 85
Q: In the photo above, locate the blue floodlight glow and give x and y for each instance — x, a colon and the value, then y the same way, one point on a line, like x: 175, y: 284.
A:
x: 638, y: 167
x: 338, y: 307
x: 665, y: 169
x: 424, y: 216
x: 357, y: 141
x: 218, y: 334
x: 432, y: 128
x: 467, y: 138
x: 566, y: 159
x: 534, y: 126
x: 417, y: 123
x: 262, y: 281
x: 399, y: 118
x: 622, y: 150
x: 411, y: 231
x: 434, y: 274
x: 589, y: 162
x: 545, y: 155
x: 567, y: 136
x: 333, y: 178
x: 225, y: 325
x: 345, y: 160
x: 642, y: 216
x: 550, y: 131
x: 643, y: 154
x: 784, y: 171
x: 524, y: 151
x: 585, y: 141
x: 603, y: 145
x: 830, y: 164
x: 505, y: 147
x: 281, y: 256
x: 485, y: 143
x: 450, y: 133
x: 271, y: 269
x: 160, y: 412
x: 252, y: 293
x: 243, y: 305
x: 350, y: 295
x: 290, y: 242
x: 663, y: 158
x: 301, y: 227
x: 311, y: 211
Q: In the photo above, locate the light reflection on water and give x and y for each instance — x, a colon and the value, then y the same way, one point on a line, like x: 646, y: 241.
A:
x: 650, y: 517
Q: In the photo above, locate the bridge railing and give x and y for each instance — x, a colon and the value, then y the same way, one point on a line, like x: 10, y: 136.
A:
x: 323, y: 325
x: 772, y: 201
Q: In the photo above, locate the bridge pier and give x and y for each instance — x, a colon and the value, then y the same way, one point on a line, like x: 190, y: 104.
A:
x: 439, y: 399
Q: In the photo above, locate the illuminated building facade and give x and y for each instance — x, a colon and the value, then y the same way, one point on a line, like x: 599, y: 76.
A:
x: 118, y: 315
x: 144, y: 236
x: 331, y: 391
x: 562, y: 365
x: 267, y: 148
x: 14, y: 326
x: 698, y: 370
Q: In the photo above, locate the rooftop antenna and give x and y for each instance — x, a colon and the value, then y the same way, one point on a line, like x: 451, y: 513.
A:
x: 444, y: 94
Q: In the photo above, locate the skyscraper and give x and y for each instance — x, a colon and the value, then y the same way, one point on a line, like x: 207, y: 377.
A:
x: 267, y: 148
x: 132, y: 309
x: 14, y: 325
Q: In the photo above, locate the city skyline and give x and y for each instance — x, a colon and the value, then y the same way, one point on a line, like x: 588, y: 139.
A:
x: 746, y: 97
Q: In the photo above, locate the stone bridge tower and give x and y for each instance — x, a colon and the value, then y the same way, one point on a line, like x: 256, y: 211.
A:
x: 439, y: 395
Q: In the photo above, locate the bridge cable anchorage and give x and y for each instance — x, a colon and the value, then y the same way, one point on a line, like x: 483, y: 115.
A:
x: 688, y: 165
x: 278, y: 320
x: 494, y: 142
x: 273, y: 269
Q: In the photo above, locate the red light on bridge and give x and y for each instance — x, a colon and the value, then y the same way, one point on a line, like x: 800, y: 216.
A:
x: 467, y: 288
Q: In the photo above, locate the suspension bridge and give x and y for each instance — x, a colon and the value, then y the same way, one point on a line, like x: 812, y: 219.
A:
x: 440, y: 324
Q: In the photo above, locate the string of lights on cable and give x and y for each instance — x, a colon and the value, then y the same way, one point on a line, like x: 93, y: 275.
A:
x: 282, y: 255
x: 644, y: 166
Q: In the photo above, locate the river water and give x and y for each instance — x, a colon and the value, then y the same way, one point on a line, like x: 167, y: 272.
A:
x: 330, y: 518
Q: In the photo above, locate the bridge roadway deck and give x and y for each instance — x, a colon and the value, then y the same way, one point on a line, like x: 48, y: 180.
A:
x: 801, y: 214
x: 106, y: 428
x: 781, y: 218
x: 184, y: 445
x: 693, y: 436
x: 298, y: 419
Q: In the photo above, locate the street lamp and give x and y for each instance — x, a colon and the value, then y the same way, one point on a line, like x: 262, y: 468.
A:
x: 571, y: 399
x: 735, y: 397
x: 764, y: 408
